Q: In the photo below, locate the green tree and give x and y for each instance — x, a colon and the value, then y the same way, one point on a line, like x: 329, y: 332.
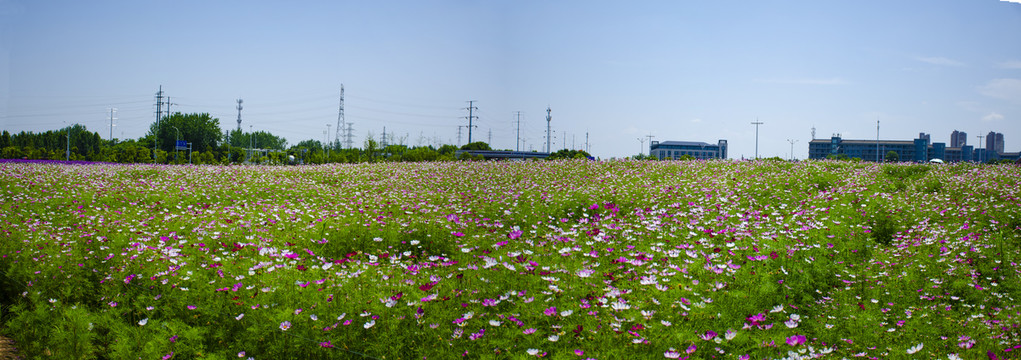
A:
x: 478, y: 145
x: 202, y: 130
x: 370, y: 147
x: 892, y: 156
x: 447, y: 150
x: 568, y: 154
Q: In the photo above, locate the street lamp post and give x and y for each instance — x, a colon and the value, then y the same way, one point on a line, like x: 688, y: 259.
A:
x: 641, y: 150
x: 68, y: 142
x: 176, y: 139
x: 757, y: 123
x: 792, y: 147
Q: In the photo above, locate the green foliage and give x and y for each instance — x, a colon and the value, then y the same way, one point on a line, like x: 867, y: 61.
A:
x: 202, y: 130
x: 568, y: 154
x: 883, y: 228
x: 892, y: 156
x: 478, y: 145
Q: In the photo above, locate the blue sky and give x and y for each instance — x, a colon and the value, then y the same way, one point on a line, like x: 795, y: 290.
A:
x: 695, y: 71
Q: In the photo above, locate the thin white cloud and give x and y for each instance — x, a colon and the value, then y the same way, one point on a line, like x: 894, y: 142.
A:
x: 992, y: 117
x: 695, y: 121
x: 1006, y: 89
x: 942, y: 61
x: 1012, y: 64
x: 970, y: 105
x: 1013, y: 1
x: 804, y: 81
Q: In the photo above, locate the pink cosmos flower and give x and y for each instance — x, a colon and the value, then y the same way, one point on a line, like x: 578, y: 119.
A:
x: 796, y: 340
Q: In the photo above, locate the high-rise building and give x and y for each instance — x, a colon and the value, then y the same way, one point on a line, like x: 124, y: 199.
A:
x: 925, y: 136
x: 958, y: 139
x: 994, y: 142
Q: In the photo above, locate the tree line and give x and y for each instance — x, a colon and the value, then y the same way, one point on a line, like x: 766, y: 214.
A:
x: 210, y: 145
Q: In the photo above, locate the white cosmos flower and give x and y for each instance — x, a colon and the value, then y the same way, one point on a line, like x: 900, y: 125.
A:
x: 143, y: 322
x: 553, y: 338
x: 915, y: 348
x: 369, y: 324
x: 532, y: 352
x: 620, y: 306
x: 494, y: 322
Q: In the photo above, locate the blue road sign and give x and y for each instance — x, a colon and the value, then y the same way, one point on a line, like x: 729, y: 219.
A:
x: 182, y: 145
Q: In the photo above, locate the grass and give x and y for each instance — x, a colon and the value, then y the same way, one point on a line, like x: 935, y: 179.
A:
x: 567, y: 259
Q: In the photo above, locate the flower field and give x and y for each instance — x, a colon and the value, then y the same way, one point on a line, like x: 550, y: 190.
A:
x: 559, y: 259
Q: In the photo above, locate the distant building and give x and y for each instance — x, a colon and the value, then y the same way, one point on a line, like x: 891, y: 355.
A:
x: 917, y: 150
x: 994, y: 142
x: 958, y: 138
x: 698, y: 150
x: 925, y: 136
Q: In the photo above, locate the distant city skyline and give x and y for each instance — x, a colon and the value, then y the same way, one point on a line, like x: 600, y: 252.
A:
x: 616, y: 71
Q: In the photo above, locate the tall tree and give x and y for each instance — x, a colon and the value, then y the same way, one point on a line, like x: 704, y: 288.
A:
x: 202, y: 130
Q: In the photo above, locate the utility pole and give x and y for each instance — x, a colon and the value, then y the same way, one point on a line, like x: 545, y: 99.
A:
x: 641, y: 150
x: 168, y: 107
x: 340, y: 116
x: 251, y: 139
x: 159, y: 112
x: 517, y: 138
x: 327, y: 140
x: 586, y: 142
x: 471, y: 108
x: 239, y: 113
x: 69, y: 143
x: 112, y: 111
x: 564, y: 141
x: 650, y: 136
x: 792, y: 147
x: 757, y: 123
x: 490, y: 137
x: 877, y: 142
x: 548, y: 118
x: 459, y: 135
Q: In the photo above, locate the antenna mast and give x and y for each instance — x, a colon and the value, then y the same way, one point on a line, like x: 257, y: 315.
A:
x: 239, y: 113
